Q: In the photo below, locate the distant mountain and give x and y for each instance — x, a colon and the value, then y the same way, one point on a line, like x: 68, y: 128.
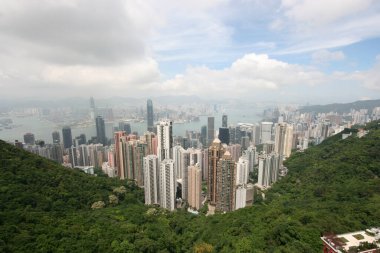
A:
x: 342, y: 108
x: 332, y: 187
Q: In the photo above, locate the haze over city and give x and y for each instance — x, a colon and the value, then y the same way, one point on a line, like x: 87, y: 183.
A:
x: 284, y: 51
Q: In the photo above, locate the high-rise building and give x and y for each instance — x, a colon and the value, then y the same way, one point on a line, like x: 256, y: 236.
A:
x: 101, y: 131
x: 120, y: 138
x: 149, y: 107
x: 241, y: 196
x: 235, y: 151
x: 73, y: 156
x: 242, y: 171
x: 168, y: 187
x: 283, y: 139
x: 210, y: 130
x: 92, y: 108
x: 215, y: 152
x: 149, y: 139
x: 269, y: 166
x: 57, y: 153
x: 67, y: 137
x: 224, y: 120
x: 83, y: 159
x: 251, y: 155
x: 29, y: 139
x: 266, y: 132
x: 125, y: 126
x: 204, y: 140
x: 56, y: 137
x: 195, y: 187
x: 225, y: 190
x: 224, y: 135
x: 151, y: 180
x: 165, y: 140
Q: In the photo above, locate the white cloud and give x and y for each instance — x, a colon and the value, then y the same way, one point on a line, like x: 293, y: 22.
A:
x: 246, y: 77
x: 323, y: 24
x: 325, y: 56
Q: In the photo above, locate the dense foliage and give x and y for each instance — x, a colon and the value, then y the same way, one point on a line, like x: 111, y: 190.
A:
x: 332, y: 187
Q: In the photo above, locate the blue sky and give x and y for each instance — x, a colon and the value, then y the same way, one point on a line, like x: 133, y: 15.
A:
x: 294, y: 51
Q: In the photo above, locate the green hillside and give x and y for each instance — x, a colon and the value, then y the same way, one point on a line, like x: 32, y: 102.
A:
x: 44, y: 207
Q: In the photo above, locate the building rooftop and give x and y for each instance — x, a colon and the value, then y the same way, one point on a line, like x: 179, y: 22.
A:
x: 343, y: 242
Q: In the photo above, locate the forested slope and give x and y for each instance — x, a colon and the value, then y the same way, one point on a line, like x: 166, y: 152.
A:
x: 332, y: 187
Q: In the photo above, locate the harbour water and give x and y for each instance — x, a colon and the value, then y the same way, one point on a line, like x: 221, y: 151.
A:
x: 42, y: 128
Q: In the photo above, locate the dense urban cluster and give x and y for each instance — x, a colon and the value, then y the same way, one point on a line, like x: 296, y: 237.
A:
x: 225, y: 168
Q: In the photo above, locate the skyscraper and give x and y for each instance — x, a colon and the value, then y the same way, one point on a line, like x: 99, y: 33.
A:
x: 224, y: 120
x: 226, y: 174
x: 125, y: 126
x: 194, y: 187
x: 268, y: 169
x: 56, y: 137
x: 210, y: 129
x: 151, y: 180
x: 167, y: 181
x: 67, y: 137
x: 29, y: 138
x: 266, y: 132
x: 242, y: 171
x: 119, y: 162
x: 215, y: 152
x: 165, y: 140
x: 204, y: 140
x: 92, y: 108
x: 149, y: 107
x: 101, y: 130
x: 224, y: 135
x: 283, y: 139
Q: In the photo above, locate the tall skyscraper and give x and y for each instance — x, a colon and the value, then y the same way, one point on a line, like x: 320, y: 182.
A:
x: 56, y: 137
x: 283, y: 139
x: 226, y: 174
x: 29, y: 138
x: 210, y: 129
x: 251, y: 155
x: 168, y: 187
x: 224, y: 120
x: 215, y: 152
x: 149, y: 107
x: 151, y: 180
x: 119, y: 162
x: 67, y: 137
x: 224, y: 135
x: 266, y: 132
x: 194, y: 187
x: 101, y: 130
x: 165, y: 140
x: 204, y: 140
x: 92, y: 108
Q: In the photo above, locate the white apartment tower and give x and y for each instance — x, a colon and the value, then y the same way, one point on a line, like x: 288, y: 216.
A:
x: 151, y: 180
x: 266, y: 132
x: 167, y: 184
x: 283, y: 139
x: 165, y: 140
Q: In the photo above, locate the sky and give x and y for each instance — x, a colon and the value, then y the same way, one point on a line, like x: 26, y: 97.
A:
x: 294, y: 51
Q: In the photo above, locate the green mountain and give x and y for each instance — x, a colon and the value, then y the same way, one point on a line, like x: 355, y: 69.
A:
x: 332, y: 187
x: 342, y: 108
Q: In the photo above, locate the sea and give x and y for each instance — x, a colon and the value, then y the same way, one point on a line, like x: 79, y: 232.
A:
x: 42, y: 128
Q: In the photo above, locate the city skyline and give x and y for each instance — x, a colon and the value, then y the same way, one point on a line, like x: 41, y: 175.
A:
x: 285, y: 51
